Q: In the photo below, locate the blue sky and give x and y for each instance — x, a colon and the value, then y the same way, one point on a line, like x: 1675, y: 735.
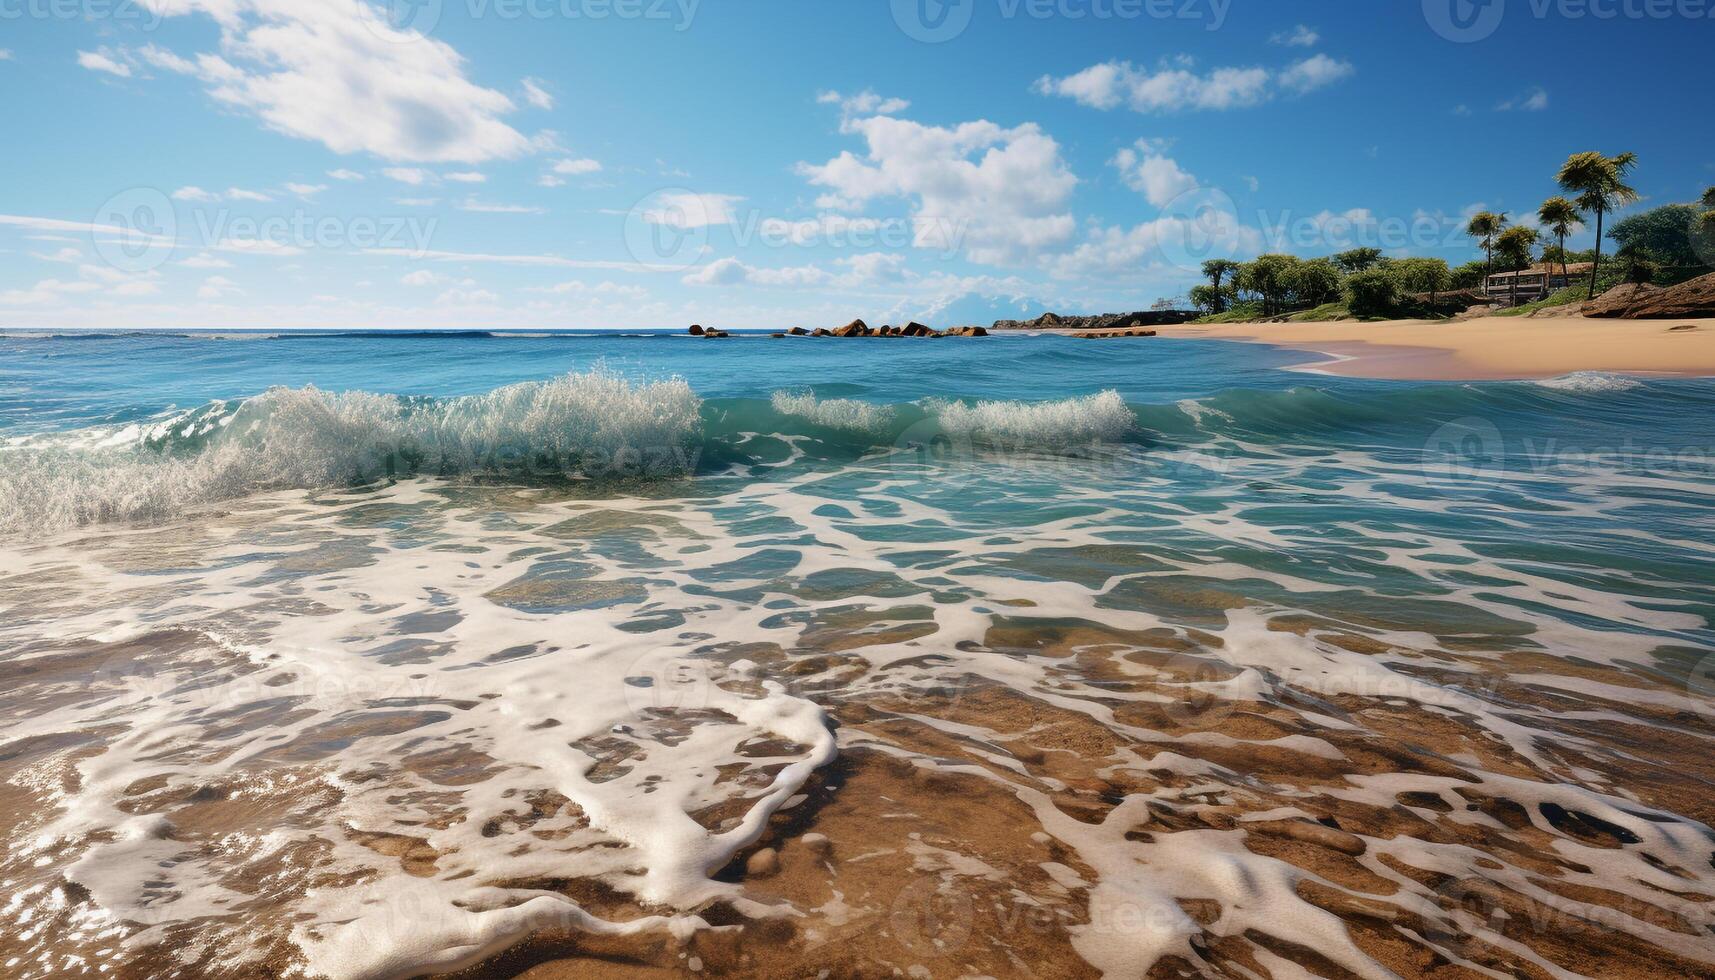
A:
x: 635, y: 163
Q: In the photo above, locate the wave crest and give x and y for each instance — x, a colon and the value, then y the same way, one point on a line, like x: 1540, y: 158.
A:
x: 835, y: 413
x: 1071, y: 422
x: 580, y: 425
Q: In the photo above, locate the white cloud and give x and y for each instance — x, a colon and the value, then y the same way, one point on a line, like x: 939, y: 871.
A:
x: 1158, y: 178
x: 466, y: 297
x: 1177, y: 87
x: 536, y: 95
x: 1536, y: 100
x: 215, y: 287
x: 240, y: 194
x: 103, y: 61
x: 549, y: 180
x: 306, y: 190
x: 730, y: 271
x: 875, y: 267
x: 415, y: 176
x: 343, y: 174
x: 1113, y: 251
x: 576, y: 168
x: 333, y: 72
x: 467, y: 177
x: 5, y: 54
x: 484, y: 207
x: 688, y: 210
x: 205, y: 261
x: 416, y: 202
x: 998, y: 193
x: 1314, y: 72
x: 1299, y: 37
x: 421, y: 277
x: 865, y: 103
x: 67, y: 255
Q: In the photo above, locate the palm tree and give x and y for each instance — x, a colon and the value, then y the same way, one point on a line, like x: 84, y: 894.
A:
x: 1514, y: 245
x: 1485, y: 226
x: 1558, y: 215
x: 1600, y: 183
x: 1216, y: 270
x: 1709, y: 198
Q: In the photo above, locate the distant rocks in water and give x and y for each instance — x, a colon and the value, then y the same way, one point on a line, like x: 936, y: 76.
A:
x: 822, y: 332
x: 856, y: 328
x: 1113, y: 334
x: 1106, y: 322
x: 1692, y: 299
x: 915, y: 329
x: 798, y: 332
x: 696, y: 330
x: 967, y: 332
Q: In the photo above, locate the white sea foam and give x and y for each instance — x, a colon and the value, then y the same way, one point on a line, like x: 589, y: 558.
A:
x: 1590, y: 382
x: 835, y: 413
x: 1047, y: 426
x: 580, y: 424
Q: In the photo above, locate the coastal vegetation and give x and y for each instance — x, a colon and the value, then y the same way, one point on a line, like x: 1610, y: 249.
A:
x: 1663, y: 246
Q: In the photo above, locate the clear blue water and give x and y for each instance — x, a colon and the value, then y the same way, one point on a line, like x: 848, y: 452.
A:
x: 1287, y: 589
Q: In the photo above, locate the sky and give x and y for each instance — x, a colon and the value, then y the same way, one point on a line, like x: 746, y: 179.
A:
x: 533, y: 164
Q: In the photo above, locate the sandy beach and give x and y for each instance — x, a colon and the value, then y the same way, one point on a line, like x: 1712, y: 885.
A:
x: 1486, y: 348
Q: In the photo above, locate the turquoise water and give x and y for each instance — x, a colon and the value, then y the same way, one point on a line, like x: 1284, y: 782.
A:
x: 264, y: 564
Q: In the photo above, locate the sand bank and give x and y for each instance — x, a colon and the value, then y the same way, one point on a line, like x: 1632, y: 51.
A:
x: 1486, y: 348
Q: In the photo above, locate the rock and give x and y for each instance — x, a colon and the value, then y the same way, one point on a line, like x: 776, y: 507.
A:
x: 818, y: 843
x: 856, y: 328
x: 915, y: 329
x: 716, y: 333
x: 967, y: 332
x: 1641, y: 301
x: 1105, y: 321
x: 822, y: 332
x: 798, y: 332
x: 696, y: 330
x: 762, y: 864
x: 1113, y: 334
x: 778, y: 336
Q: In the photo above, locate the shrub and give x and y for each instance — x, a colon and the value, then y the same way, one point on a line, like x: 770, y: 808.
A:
x: 1372, y: 293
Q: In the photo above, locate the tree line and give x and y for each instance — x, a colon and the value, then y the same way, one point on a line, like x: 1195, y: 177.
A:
x: 1666, y: 242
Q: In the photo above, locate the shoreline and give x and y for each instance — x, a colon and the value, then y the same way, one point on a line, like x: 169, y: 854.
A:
x: 1484, y: 348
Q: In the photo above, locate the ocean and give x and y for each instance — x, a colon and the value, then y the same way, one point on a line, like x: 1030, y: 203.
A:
x: 377, y: 655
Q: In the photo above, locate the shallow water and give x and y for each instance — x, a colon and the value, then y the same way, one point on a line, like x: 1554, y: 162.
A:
x: 1120, y: 657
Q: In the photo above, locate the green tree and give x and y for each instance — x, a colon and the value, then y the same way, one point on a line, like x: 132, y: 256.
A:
x: 1600, y: 183
x: 1558, y: 216
x: 1639, y: 268
x: 1314, y: 283
x: 1372, y: 293
x: 1424, y: 276
x: 1358, y: 259
x: 1268, y: 278
x: 1209, y: 299
x: 1216, y: 270
x: 1470, y: 275
x: 1515, y: 246
x: 1663, y: 235
x: 1484, y: 227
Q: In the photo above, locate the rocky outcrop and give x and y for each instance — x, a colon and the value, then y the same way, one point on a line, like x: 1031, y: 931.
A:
x: 1640, y: 301
x: 915, y: 329
x: 856, y: 328
x: 798, y: 332
x: 1112, y: 334
x: 966, y: 332
x: 696, y: 330
x: 1104, y: 322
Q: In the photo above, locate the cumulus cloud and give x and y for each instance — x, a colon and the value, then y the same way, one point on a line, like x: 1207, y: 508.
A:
x: 344, y: 174
x: 865, y: 103
x: 1146, y: 169
x: 576, y: 168
x: 334, y: 72
x: 690, y: 210
x: 998, y: 193
x: 1179, y: 87
x: 415, y: 176
x: 466, y: 177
